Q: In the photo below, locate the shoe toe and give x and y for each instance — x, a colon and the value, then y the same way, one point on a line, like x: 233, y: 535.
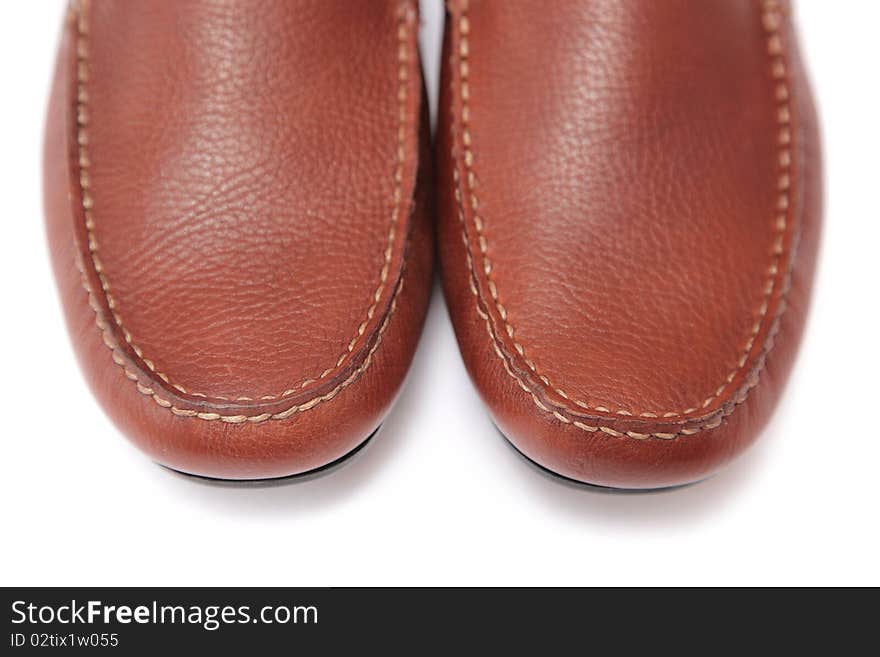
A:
x: 628, y: 277
x: 244, y: 286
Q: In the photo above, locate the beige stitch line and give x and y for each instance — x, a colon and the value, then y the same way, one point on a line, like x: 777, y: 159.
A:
x: 771, y: 19
x: 107, y: 337
x: 232, y: 419
x: 82, y: 53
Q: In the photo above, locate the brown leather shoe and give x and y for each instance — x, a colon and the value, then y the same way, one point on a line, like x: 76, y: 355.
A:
x: 236, y: 213
x: 630, y: 215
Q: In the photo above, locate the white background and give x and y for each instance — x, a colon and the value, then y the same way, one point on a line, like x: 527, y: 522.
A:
x: 438, y: 497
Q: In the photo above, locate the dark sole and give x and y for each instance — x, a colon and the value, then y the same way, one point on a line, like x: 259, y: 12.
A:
x: 265, y: 482
x: 583, y: 485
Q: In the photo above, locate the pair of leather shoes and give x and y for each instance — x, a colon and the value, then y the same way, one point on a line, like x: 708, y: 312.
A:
x: 240, y: 211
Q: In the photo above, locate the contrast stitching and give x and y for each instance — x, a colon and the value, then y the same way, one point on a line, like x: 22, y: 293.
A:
x: 107, y: 335
x: 148, y: 390
x: 772, y: 20
x: 88, y: 210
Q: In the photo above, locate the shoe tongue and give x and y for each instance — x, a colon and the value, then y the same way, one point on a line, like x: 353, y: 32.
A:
x: 242, y: 183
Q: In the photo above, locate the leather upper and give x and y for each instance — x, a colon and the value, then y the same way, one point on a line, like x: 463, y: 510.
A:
x: 630, y: 207
x: 240, y: 185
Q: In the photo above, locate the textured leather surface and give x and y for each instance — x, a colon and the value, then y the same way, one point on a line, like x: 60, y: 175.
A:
x: 630, y: 206
x: 240, y: 185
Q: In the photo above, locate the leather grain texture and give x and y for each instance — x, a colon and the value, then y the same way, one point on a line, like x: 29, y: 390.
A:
x: 241, y: 189
x: 630, y: 205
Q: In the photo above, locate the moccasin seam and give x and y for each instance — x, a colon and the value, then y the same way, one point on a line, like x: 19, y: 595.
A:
x: 142, y: 383
x: 772, y: 17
